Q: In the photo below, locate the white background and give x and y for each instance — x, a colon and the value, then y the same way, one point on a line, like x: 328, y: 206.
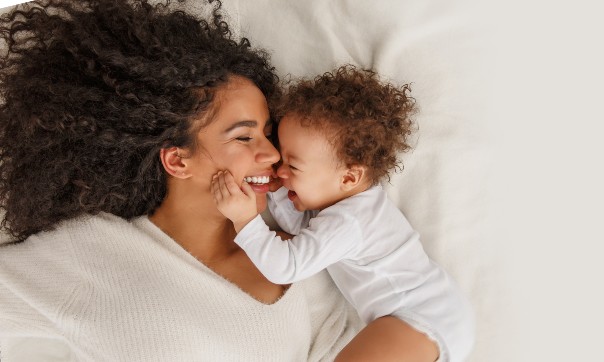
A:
x: 549, y: 172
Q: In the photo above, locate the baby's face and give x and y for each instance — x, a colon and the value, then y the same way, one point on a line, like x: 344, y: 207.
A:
x: 310, y: 168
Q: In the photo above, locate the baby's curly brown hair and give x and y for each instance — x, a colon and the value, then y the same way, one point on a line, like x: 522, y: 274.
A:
x: 367, y: 121
x: 91, y: 90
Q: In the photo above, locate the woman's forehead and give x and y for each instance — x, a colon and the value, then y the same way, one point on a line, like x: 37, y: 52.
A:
x: 239, y: 102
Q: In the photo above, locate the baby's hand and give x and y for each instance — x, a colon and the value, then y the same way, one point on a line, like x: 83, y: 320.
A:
x: 239, y: 205
x: 276, y: 181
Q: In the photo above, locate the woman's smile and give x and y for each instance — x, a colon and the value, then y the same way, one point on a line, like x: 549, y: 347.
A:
x: 258, y: 180
x: 261, y: 184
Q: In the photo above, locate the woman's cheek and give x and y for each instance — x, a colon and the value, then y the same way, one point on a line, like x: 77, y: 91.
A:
x: 237, y: 176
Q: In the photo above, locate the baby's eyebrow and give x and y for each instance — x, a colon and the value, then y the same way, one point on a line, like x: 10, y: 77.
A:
x: 250, y: 124
x: 294, y: 158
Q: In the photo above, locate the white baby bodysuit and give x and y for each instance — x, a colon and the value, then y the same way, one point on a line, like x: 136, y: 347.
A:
x: 375, y: 258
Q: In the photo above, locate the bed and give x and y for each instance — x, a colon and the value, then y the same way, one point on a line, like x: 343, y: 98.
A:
x: 443, y: 50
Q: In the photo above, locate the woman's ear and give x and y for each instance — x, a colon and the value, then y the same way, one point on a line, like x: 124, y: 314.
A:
x: 354, y: 176
x: 174, y: 162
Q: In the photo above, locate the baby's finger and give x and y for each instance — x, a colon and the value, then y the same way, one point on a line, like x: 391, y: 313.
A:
x: 223, y: 187
x: 215, y: 189
x: 230, y: 183
x: 248, y: 191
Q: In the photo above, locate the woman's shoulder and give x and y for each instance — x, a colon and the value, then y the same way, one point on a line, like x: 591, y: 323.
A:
x: 88, y: 228
x: 42, y: 274
x: 66, y: 240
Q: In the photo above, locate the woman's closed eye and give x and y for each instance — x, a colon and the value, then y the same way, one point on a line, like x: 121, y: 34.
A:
x: 248, y: 138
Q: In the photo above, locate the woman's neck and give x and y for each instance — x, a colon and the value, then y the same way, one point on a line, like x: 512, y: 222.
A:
x: 202, y: 231
x: 191, y: 219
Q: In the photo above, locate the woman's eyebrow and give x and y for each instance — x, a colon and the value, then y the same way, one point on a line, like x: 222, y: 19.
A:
x: 250, y: 124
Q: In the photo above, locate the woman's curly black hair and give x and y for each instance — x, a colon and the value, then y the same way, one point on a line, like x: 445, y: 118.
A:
x: 369, y: 122
x: 91, y: 90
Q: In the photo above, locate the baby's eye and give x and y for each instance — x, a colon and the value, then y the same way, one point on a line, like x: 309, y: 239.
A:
x: 292, y: 167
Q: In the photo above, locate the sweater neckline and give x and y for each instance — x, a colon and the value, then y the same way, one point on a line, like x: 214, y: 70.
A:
x: 159, y: 235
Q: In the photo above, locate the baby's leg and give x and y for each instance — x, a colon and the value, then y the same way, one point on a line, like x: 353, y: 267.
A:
x: 389, y: 339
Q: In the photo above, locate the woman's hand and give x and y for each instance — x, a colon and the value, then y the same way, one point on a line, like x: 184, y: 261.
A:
x: 237, y: 204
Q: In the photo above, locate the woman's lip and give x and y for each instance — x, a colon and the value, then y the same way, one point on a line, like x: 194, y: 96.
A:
x: 260, y: 189
x: 263, y: 188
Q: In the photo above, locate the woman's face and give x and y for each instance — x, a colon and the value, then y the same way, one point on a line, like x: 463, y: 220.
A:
x: 236, y: 139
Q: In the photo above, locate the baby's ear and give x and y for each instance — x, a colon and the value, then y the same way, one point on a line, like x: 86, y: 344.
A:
x: 353, y: 176
x: 175, y: 162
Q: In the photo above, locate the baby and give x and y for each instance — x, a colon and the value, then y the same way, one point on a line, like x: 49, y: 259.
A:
x: 339, y: 136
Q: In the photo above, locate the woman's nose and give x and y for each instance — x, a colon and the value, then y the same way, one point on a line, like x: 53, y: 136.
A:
x: 268, y: 153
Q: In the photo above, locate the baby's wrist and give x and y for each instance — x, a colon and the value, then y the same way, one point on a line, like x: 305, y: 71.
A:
x: 240, y: 224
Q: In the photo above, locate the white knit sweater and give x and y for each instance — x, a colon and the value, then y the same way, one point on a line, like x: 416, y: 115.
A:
x: 113, y: 290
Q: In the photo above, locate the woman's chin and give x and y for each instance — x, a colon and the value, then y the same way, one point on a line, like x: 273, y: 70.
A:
x: 261, y: 191
x: 260, y: 202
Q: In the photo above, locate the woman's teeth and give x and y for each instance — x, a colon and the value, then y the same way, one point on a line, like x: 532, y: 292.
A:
x: 259, y: 180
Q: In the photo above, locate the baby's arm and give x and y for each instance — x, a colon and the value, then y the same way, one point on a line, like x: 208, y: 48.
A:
x: 285, y: 214
x: 328, y: 239
x: 237, y: 204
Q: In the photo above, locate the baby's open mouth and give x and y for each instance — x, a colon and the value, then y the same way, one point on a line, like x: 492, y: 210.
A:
x: 257, y: 180
x: 291, y: 195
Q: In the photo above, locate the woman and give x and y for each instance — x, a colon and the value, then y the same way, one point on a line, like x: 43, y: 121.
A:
x: 114, y: 117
